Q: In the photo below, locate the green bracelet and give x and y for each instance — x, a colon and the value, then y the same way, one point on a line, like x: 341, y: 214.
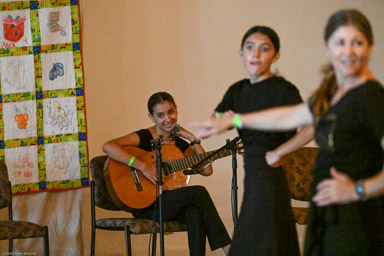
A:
x: 131, y: 161
x: 236, y: 121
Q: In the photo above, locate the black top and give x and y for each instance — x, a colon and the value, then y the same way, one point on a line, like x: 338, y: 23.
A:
x: 349, y: 134
x: 244, y: 97
x: 146, y: 137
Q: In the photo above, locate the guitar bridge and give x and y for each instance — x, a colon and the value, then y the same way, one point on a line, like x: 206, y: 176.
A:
x: 136, y: 179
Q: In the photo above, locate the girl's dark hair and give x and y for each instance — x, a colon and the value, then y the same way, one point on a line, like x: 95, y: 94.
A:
x: 328, y: 87
x: 269, y: 32
x: 157, y: 98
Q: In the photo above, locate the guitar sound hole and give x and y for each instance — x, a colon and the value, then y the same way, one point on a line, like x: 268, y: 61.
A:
x: 166, y: 169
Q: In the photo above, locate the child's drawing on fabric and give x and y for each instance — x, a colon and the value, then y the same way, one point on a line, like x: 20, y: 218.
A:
x: 43, y: 137
x: 17, y: 74
x: 60, y: 116
x: 19, y: 119
x: 15, y: 29
x: 62, y: 161
x: 22, y: 164
x: 58, y: 71
x: 55, y: 25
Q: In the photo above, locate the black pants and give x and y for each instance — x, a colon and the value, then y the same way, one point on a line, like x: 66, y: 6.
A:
x: 194, y: 207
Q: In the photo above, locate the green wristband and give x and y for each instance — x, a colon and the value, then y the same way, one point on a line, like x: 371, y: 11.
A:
x: 236, y: 121
x: 131, y: 161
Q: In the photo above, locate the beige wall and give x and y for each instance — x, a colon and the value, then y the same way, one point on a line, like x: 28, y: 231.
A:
x: 133, y: 48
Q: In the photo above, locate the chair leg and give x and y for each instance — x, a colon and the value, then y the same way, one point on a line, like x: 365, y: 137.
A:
x: 93, y: 217
x: 10, y: 245
x: 46, y: 242
x: 154, y: 238
x: 128, y: 241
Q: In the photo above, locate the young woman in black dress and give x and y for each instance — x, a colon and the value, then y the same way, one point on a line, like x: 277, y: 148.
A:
x: 266, y: 225
x: 347, y: 213
x: 191, y: 205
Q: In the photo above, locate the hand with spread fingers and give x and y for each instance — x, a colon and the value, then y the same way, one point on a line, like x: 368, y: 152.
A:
x: 212, y: 126
x: 340, y: 189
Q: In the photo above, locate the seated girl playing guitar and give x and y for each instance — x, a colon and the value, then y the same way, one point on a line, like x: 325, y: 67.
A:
x: 190, y: 205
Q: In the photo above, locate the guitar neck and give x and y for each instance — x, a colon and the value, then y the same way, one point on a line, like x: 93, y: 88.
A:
x: 188, y: 162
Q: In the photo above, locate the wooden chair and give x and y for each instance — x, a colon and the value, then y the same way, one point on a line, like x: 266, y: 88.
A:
x: 101, y: 198
x: 298, y: 166
x: 11, y: 229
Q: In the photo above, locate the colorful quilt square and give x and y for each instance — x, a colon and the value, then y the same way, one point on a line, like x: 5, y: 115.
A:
x: 19, y: 119
x: 62, y: 161
x: 60, y: 116
x: 17, y: 74
x: 22, y: 164
x: 15, y: 29
x: 57, y: 71
x: 55, y: 25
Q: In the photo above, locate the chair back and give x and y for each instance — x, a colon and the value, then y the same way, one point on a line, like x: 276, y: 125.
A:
x: 298, y: 167
x: 5, y: 193
x: 102, y: 197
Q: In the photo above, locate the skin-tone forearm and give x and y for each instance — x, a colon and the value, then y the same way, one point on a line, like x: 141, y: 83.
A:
x: 341, y: 189
x: 278, y: 119
x: 375, y: 186
x: 114, y: 149
x: 304, y: 136
x: 275, y: 119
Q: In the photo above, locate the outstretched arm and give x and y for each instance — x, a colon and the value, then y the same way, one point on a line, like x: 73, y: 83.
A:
x: 274, y: 119
x: 304, y: 136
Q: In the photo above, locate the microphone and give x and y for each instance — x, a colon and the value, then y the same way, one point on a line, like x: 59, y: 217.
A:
x: 175, y: 129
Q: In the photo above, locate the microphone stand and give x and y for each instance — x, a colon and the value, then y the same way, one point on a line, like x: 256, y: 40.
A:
x: 231, y: 145
x: 156, y: 145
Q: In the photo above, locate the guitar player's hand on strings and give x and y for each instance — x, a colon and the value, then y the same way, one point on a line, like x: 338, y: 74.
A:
x: 150, y: 172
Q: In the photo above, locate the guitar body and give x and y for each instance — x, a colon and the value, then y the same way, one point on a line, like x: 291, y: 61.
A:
x: 121, y: 185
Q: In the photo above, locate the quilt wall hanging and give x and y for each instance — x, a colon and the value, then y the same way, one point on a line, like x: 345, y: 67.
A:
x: 42, y: 110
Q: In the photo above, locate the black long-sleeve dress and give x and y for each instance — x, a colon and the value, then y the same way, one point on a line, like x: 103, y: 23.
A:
x: 266, y: 224
x: 349, y: 137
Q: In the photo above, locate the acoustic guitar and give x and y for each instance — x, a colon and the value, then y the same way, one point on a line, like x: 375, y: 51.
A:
x: 129, y: 188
